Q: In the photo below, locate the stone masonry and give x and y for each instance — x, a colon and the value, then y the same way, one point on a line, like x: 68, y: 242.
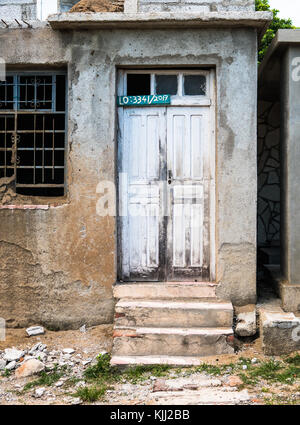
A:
x: 268, y: 172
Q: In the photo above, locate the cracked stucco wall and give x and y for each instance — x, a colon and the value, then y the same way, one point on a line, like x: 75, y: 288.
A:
x: 58, y: 262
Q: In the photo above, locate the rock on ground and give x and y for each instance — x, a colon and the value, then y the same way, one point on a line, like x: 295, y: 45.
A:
x: 2, y: 364
x: 35, y: 330
x: 234, y: 381
x: 68, y: 351
x: 28, y: 368
x: 246, y: 322
x: 11, y: 354
x: 11, y: 365
x: 39, y: 392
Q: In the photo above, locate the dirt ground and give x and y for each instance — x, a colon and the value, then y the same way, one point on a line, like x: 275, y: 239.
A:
x: 217, y: 382
x: 96, y: 338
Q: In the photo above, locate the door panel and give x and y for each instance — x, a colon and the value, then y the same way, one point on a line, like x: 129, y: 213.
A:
x: 165, y: 226
x: 188, y: 224
x: 143, y: 144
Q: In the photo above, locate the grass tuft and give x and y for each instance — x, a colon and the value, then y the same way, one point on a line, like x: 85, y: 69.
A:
x: 46, y: 379
x: 91, y: 394
x: 295, y: 361
x: 7, y: 373
x: 103, y: 371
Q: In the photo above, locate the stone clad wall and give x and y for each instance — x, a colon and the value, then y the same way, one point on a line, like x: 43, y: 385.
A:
x: 195, y: 5
x: 268, y: 172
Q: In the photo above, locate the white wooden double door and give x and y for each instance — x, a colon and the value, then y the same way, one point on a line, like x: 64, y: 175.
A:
x: 164, y: 191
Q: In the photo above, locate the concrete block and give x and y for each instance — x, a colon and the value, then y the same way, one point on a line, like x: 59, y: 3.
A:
x: 280, y: 332
x: 290, y: 296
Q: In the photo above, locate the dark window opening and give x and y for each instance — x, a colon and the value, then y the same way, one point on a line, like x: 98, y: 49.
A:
x: 32, y: 133
x: 138, y: 84
x: 195, y: 85
x: 166, y: 84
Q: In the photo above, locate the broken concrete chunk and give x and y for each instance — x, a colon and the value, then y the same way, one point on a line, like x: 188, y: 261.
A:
x: 82, y: 329
x: 42, y: 347
x: 160, y: 385
x: 11, y: 365
x: 40, y: 355
x: 234, y: 381
x: 280, y: 332
x: 35, y: 347
x: 2, y: 364
x: 246, y: 322
x: 39, y: 392
x: 68, y: 351
x: 28, y: 368
x: 11, y: 354
x: 76, y: 401
x: 35, y: 330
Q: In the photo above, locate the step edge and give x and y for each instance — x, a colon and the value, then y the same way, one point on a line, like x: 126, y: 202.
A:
x: 174, y: 305
x: 227, y: 330
x: 164, y: 359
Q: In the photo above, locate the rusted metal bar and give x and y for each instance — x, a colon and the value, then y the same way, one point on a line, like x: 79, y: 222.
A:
x: 43, y: 152
x: 34, y: 147
x: 5, y: 146
x: 53, y: 146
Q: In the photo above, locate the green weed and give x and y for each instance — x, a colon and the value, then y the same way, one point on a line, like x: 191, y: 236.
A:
x: 90, y: 394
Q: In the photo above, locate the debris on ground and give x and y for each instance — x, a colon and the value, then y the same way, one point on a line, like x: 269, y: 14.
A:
x: 35, y: 330
x: 98, y: 6
x: 72, y: 368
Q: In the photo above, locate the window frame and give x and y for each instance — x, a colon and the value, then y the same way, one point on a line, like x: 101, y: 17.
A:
x: 180, y: 98
x: 44, y: 8
x: 17, y: 111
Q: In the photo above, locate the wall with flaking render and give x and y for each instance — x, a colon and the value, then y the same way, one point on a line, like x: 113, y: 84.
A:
x: 58, y: 260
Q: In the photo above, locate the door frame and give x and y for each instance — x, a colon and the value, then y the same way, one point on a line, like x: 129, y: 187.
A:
x: 208, y: 100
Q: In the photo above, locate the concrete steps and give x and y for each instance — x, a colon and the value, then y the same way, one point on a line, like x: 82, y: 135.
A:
x: 170, y: 323
x: 165, y: 290
x: 152, y: 360
x: 169, y: 313
x: 171, y: 341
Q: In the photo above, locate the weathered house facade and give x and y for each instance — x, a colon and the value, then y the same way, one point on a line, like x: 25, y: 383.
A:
x: 128, y: 172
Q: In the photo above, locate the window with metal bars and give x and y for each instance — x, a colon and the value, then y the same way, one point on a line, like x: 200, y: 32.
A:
x: 33, y: 131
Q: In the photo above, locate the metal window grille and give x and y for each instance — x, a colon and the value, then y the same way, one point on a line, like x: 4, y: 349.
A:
x: 32, y: 132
